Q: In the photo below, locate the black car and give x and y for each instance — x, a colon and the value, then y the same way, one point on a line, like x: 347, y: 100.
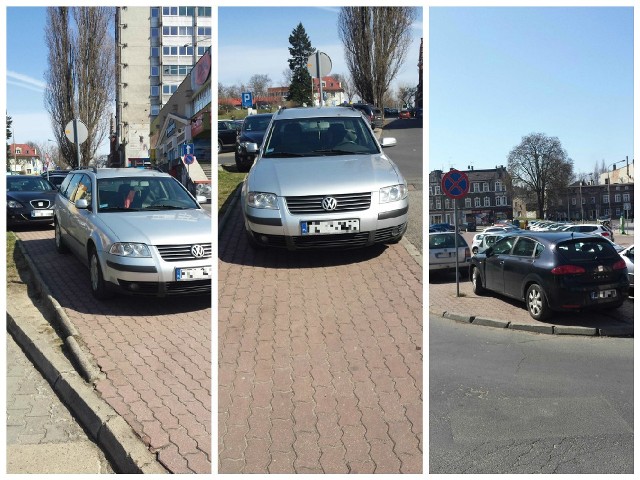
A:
x: 371, y: 113
x: 56, y: 177
x: 253, y: 129
x: 30, y: 200
x: 552, y: 271
x: 227, y: 134
x: 442, y: 227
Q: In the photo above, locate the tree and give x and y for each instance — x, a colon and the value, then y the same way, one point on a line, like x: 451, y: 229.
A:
x: 9, y: 135
x: 539, y: 166
x: 300, y: 50
x: 259, y: 84
x: 376, y: 41
x: 80, y: 76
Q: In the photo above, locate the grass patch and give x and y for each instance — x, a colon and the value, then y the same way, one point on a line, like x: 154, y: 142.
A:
x: 228, y: 181
x: 12, y: 268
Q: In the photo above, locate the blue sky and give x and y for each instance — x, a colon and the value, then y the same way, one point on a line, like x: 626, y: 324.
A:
x: 497, y: 74
x: 265, y: 51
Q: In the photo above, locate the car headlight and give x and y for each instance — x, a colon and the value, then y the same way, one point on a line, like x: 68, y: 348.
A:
x: 393, y: 193
x: 14, y: 204
x: 130, y: 250
x: 262, y: 200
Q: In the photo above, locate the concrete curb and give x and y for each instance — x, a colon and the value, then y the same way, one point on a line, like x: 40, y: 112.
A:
x: 106, y: 427
x: 61, y: 320
x: 613, y: 331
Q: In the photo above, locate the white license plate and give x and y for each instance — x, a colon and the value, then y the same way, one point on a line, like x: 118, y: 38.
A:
x: 325, y: 227
x: 192, y: 273
x: 604, y: 294
x: 42, y: 213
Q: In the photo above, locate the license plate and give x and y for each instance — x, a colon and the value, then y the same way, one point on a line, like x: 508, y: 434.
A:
x: 192, y: 273
x: 325, y: 227
x: 604, y: 294
x: 42, y: 213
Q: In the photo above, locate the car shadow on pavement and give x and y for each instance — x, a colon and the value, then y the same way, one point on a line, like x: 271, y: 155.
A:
x: 68, y: 281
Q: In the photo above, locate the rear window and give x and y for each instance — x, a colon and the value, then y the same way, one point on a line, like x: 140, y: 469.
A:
x: 445, y: 240
x: 586, y: 249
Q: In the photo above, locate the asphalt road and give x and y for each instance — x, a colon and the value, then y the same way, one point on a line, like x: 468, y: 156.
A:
x: 515, y: 402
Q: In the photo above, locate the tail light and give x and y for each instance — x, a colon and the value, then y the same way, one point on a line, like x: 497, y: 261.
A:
x: 619, y: 265
x: 605, y: 234
x: 568, y: 270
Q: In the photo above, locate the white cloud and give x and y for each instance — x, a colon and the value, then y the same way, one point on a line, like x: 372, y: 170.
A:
x: 20, y: 80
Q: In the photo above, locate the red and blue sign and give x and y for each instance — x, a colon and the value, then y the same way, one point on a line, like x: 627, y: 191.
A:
x: 455, y: 184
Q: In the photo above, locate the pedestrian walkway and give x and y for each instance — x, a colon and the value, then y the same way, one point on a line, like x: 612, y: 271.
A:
x: 42, y: 435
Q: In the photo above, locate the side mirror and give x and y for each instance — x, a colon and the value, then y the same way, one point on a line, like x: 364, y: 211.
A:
x: 388, y: 142
x: 201, y: 199
x: 82, y: 204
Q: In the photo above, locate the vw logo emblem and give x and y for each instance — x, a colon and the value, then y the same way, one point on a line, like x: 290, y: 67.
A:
x: 329, y: 203
x: 197, y: 251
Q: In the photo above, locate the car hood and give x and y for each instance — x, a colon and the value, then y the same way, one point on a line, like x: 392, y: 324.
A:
x: 159, y: 228
x: 254, y: 137
x: 28, y: 196
x: 322, y: 175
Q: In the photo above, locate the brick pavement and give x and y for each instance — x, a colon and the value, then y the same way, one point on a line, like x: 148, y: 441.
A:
x: 40, y: 429
x: 320, y: 359
x: 155, y: 356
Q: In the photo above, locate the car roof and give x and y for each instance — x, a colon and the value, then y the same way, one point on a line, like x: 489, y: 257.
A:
x: 316, y: 112
x: 553, y: 237
x: 123, y: 172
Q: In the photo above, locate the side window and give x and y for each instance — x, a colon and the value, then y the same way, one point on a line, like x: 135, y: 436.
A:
x: 84, y: 190
x: 524, y: 247
x: 539, y: 250
x: 71, y: 186
x: 503, y: 246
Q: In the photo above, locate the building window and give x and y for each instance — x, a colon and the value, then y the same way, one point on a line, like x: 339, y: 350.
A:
x: 584, y: 200
x: 437, y: 187
x: 446, y: 203
x: 499, y: 186
x: 476, y: 187
x: 476, y: 202
x: 438, y: 203
x: 593, y: 200
x: 467, y: 202
x: 605, y: 198
x: 204, y: 31
x: 186, y: 11
x: 155, y: 32
x: 155, y: 52
x: 186, y: 50
x: 155, y: 71
x: 155, y: 110
x: 202, y: 99
x: 169, y: 89
x: 626, y: 197
x: 155, y: 90
x: 176, y: 69
x: 170, y: 11
x: 155, y: 11
x: 617, y: 198
x: 204, y: 11
x: 485, y: 186
x: 487, y: 200
x: 202, y: 51
x: 573, y: 201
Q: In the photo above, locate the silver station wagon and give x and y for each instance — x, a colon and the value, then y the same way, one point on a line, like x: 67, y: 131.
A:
x: 321, y: 180
x: 139, y: 231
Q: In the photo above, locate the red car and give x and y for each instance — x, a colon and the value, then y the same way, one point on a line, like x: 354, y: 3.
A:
x: 405, y: 114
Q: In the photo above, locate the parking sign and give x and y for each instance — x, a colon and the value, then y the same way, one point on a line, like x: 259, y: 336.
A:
x: 247, y: 100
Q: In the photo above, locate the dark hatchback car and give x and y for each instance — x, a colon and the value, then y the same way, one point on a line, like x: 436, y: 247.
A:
x: 56, y: 177
x: 227, y: 134
x: 552, y: 271
x: 253, y: 129
x: 30, y: 200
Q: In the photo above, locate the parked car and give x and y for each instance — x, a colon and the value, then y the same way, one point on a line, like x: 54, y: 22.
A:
x: 372, y: 113
x: 30, y: 200
x: 321, y: 179
x: 442, y: 253
x: 591, y: 228
x: 253, y: 130
x: 477, y: 238
x: 552, y: 271
x: 442, y: 227
x: 227, y: 134
x: 56, y: 177
x: 469, y: 227
x: 391, y: 112
x: 627, y: 256
x: 139, y: 231
x: 485, y: 242
x: 404, y: 114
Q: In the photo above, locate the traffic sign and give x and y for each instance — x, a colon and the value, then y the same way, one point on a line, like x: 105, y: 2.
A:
x: 77, y: 135
x: 189, y: 158
x: 455, y: 184
x: 186, y: 149
x: 247, y: 100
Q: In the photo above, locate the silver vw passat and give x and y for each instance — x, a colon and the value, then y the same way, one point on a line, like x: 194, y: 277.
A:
x: 321, y: 179
x: 139, y: 231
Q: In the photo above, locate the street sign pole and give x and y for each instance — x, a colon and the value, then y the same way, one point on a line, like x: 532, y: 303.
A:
x: 75, y: 137
x: 455, y: 185
x: 455, y: 240
x: 319, y: 77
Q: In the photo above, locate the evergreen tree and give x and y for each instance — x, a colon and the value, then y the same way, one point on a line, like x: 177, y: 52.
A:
x: 300, y: 88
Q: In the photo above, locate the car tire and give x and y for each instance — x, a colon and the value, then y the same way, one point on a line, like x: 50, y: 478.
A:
x: 476, y: 282
x: 98, y: 285
x: 474, y: 250
x: 536, y: 301
x: 60, y: 246
x: 219, y: 147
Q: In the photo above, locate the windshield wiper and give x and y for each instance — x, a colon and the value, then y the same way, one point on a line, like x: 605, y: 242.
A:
x: 284, y: 155
x: 334, y: 151
x: 166, y: 207
x: 118, y: 209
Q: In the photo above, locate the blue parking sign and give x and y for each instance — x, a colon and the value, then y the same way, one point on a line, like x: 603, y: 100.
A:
x: 247, y: 100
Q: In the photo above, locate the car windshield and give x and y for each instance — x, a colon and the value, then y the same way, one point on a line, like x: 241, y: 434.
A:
x: 445, y: 240
x: 22, y: 184
x: 586, y: 249
x: 142, y: 193
x: 256, y: 124
x: 312, y: 137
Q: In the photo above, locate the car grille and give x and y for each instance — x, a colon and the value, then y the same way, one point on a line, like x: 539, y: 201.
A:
x: 194, y: 287
x: 312, y: 204
x: 41, y: 203
x: 179, y: 253
x: 343, y: 240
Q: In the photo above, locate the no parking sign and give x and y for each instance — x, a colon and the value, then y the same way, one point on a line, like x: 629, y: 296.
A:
x: 455, y: 184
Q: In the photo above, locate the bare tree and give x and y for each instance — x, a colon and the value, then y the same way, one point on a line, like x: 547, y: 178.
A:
x: 540, y: 166
x: 258, y: 84
x: 80, y: 77
x: 406, y: 94
x: 349, y: 89
x: 376, y: 41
